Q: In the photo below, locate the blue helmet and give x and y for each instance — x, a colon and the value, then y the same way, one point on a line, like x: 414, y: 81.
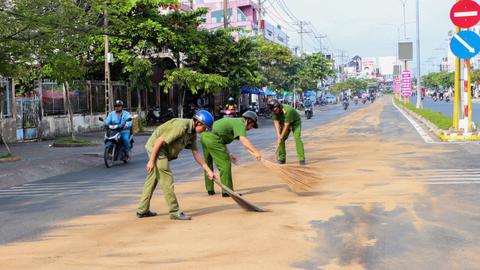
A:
x: 205, y: 118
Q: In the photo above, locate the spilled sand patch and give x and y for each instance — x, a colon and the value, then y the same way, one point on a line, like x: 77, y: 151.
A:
x: 356, y: 168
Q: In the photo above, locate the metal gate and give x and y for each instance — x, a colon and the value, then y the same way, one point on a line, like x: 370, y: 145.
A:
x: 28, y: 118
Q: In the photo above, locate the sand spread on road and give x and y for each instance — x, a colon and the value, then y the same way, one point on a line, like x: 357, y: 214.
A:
x: 357, y: 168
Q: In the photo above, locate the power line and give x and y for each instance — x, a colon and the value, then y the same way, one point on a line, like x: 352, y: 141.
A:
x: 301, y: 25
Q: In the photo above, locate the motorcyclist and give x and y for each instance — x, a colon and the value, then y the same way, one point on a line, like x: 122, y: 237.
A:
x: 231, y: 104
x: 119, y: 117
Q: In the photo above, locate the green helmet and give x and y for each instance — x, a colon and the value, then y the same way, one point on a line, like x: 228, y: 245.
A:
x: 252, y: 116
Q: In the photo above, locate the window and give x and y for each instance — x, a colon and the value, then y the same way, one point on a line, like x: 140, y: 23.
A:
x: 241, y: 16
x: 217, y: 16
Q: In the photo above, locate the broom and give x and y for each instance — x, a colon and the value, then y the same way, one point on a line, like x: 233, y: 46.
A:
x: 298, y: 178
x: 238, y: 199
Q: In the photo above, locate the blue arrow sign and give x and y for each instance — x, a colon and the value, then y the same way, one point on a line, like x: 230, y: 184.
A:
x: 465, y: 44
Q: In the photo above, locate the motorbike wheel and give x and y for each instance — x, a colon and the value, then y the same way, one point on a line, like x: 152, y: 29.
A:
x: 109, y: 156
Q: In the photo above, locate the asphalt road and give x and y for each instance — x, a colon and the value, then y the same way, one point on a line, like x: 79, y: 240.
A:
x: 446, y: 107
x: 30, y: 209
x: 448, y: 212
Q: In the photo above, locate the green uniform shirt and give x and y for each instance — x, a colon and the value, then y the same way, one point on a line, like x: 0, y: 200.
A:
x: 289, y: 115
x: 178, y: 134
x: 229, y: 129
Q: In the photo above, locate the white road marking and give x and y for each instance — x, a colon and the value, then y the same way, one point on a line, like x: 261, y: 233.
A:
x: 417, y: 127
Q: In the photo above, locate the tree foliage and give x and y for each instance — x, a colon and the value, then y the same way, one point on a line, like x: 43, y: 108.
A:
x: 438, y: 80
x: 353, y: 84
x: 193, y: 80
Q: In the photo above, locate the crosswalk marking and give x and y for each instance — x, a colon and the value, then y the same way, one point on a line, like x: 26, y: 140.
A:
x: 454, y: 176
x: 39, y: 189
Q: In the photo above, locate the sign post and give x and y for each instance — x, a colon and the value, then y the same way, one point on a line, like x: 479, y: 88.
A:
x: 464, y: 45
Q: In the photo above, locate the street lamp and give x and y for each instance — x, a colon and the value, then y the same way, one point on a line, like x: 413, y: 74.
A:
x: 419, y: 78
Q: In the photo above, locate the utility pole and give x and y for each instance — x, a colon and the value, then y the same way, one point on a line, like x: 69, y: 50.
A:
x: 342, y: 56
x: 108, y: 83
x: 404, y: 19
x: 419, y: 78
x: 259, y: 17
x: 320, y: 37
x: 225, y: 13
x: 302, y: 31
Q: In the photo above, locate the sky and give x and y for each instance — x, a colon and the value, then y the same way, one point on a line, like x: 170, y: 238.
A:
x: 368, y: 28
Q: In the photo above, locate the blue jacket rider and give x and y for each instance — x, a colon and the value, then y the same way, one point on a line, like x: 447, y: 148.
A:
x: 119, y: 116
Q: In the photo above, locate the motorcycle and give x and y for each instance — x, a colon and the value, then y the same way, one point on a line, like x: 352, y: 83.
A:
x: 114, y: 149
x: 345, y: 104
x: 308, y: 111
x: 229, y: 113
x: 371, y: 98
x: 154, y: 115
x: 265, y: 112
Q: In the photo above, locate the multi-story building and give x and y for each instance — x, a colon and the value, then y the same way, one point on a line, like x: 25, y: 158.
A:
x: 241, y: 14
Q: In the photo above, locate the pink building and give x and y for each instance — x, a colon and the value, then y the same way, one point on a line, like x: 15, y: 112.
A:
x: 242, y: 14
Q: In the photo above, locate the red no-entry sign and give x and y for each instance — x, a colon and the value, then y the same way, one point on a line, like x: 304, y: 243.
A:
x: 465, y: 13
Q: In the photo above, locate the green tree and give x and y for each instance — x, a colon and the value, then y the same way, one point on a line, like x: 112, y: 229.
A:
x: 274, y: 60
x: 140, y: 76
x: 194, y: 81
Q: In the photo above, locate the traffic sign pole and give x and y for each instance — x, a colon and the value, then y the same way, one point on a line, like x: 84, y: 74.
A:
x: 469, y: 96
x: 457, y: 88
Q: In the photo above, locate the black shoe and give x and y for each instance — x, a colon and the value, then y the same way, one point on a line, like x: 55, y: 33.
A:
x: 281, y: 161
x: 211, y: 192
x: 146, y: 214
x: 180, y: 216
x: 302, y: 162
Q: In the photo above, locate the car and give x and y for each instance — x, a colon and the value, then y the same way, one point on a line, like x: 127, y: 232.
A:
x: 331, y: 99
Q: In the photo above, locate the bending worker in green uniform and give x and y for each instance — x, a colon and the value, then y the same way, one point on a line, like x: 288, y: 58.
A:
x: 215, y: 148
x: 164, y: 145
x: 287, y: 119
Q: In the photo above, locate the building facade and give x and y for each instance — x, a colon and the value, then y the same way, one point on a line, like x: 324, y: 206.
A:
x: 241, y: 14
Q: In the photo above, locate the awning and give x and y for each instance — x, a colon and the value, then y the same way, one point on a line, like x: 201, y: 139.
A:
x: 246, y: 90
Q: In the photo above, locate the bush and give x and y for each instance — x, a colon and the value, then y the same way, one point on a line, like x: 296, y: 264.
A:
x: 438, y: 119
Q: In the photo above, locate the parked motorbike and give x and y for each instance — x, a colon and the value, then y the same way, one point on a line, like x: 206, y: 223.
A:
x: 265, y: 112
x: 114, y: 149
x: 154, y: 115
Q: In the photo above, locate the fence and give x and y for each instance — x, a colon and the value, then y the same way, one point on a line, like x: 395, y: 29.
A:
x: 85, y: 96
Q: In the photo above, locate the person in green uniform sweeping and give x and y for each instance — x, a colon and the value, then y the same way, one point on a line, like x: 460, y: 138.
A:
x: 215, y: 148
x: 166, y: 142
x: 286, y: 119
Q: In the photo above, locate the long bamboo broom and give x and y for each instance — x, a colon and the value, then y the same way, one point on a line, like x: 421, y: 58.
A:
x: 242, y: 202
x: 298, y: 178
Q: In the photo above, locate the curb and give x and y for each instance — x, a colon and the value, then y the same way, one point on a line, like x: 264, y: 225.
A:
x: 443, y: 135
x: 65, y: 145
x: 10, y: 159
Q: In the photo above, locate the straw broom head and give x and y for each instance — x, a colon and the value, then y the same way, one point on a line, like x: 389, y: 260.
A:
x: 298, y: 178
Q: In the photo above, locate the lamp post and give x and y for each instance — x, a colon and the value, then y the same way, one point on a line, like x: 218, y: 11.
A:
x: 419, y: 78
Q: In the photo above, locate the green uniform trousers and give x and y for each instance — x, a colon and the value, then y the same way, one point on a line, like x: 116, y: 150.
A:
x: 297, y: 133
x: 214, y: 150
x: 161, y: 173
